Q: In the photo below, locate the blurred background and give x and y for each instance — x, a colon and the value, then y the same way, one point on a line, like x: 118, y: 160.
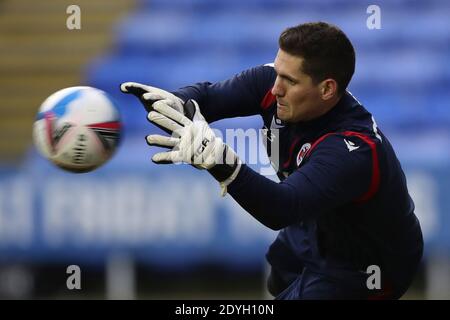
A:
x: 138, y: 231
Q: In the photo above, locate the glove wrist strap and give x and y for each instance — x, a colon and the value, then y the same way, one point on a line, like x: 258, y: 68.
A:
x: 226, y: 170
x: 224, y: 184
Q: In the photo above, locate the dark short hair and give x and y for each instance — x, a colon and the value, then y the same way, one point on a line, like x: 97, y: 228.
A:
x: 326, y: 50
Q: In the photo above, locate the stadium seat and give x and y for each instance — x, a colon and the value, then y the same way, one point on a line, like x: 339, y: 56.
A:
x: 172, y: 44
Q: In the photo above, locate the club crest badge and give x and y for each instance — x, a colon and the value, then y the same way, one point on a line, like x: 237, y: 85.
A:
x: 303, y: 151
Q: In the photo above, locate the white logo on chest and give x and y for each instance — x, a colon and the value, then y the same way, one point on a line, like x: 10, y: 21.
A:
x: 351, y: 146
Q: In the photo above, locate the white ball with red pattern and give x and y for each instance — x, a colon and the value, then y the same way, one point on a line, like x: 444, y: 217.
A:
x: 77, y: 128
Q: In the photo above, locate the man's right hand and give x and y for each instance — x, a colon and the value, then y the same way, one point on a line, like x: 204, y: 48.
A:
x: 149, y: 95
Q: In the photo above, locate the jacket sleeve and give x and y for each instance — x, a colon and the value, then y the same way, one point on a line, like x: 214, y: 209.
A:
x: 236, y: 97
x: 332, y: 177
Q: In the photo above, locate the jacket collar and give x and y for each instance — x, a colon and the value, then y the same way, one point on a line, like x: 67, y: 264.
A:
x: 345, y: 102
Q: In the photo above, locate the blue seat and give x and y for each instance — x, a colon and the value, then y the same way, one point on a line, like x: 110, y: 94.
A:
x: 208, y: 5
x: 402, y: 69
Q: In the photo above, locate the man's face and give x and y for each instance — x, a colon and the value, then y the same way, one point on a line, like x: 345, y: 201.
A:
x: 298, y: 99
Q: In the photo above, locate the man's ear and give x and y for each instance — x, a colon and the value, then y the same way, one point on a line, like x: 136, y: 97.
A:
x: 328, y: 89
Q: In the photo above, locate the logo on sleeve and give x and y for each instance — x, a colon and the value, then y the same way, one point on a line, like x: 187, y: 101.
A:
x: 301, y: 154
x: 350, y: 145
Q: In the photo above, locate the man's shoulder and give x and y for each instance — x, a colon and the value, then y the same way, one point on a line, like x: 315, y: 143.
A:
x: 262, y: 73
x: 356, y: 121
x: 258, y: 82
x: 342, y: 142
x: 354, y: 150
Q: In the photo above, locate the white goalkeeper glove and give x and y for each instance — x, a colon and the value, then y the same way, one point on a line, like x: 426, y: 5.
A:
x: 193, y: 142
x: 149, y: 95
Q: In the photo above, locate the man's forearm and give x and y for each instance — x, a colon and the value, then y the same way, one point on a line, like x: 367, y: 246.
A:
x: 273, y: 204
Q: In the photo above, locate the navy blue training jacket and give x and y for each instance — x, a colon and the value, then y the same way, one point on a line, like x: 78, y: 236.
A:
x: 342, y: 203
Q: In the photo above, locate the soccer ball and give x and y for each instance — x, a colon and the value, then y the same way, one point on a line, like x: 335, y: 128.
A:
x: 77, y: 128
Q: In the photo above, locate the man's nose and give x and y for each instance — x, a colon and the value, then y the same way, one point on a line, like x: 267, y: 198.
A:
x: 277, y: 90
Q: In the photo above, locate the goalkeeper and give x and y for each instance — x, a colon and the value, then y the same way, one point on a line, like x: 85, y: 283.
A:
x: 342, y: 204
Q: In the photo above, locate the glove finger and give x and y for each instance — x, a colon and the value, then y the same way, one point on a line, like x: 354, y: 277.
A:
x: 166, y: 130
x: 161, y: 141
x: 134, y: 88
x: 152, y: 97
x: 165, y: 157
x: 163, y: 122
x: 137, y: 90
x: 166, y: 108
x: 170, y: 111
x: 156, y: 97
